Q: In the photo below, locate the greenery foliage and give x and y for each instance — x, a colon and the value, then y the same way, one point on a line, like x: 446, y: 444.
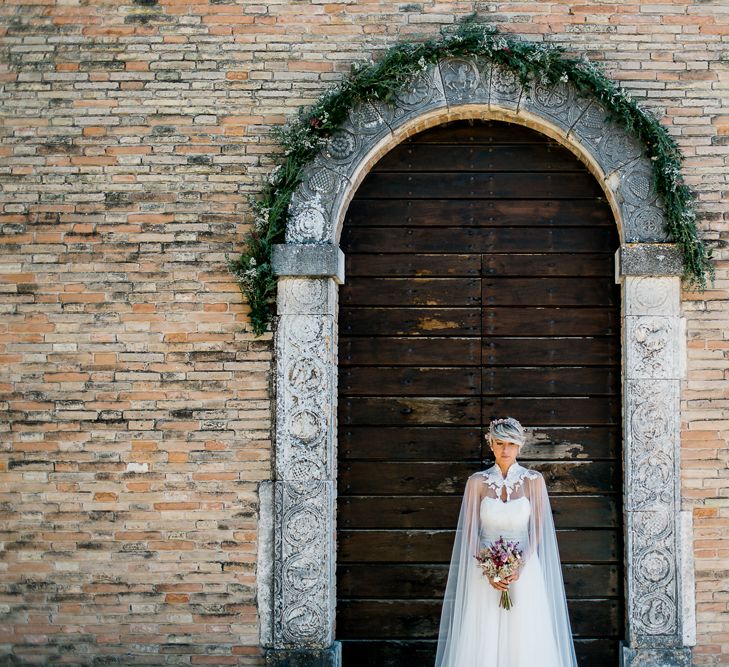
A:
x: 304, y: 136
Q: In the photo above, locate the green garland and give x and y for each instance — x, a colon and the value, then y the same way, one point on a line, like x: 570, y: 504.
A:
x: 304, y: 136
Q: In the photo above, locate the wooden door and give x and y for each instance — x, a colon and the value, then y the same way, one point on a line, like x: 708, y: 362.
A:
x: 479, y: 263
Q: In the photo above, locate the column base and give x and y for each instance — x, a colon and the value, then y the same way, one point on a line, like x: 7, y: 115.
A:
x: 655, y: 657
x: 313, y: 657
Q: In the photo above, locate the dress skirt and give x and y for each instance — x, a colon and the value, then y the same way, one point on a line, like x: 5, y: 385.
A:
x: 522, y: 636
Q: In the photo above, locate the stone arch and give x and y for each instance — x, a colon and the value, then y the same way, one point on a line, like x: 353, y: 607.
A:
x: 297, y: 536
x: 461, y: 88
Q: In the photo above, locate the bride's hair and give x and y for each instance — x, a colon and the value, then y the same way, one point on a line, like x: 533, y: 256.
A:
x: 506, y: 428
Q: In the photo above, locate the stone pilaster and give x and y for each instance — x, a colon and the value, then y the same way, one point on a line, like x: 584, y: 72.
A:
x: 653, y: 353
x: 304, y: 495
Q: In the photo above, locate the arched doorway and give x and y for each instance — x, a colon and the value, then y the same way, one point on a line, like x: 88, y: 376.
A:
x: 479, y: 263
x: 297, y: 551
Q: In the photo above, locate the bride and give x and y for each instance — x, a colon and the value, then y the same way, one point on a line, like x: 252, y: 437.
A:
x: 510, y: 501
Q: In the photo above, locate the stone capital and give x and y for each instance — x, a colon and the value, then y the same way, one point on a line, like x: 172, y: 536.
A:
x: 648, y: 259
x: 308, y: 259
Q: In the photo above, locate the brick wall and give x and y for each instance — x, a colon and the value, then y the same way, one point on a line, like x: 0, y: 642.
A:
x: 135, y: 403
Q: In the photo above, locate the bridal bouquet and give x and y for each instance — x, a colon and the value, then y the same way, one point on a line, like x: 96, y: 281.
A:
x: 500, y: 560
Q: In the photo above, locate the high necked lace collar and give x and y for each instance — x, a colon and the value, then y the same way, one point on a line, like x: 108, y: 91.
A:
x: 514, y: 475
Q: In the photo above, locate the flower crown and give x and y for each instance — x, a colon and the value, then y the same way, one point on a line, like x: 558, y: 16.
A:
x: 500, y: 420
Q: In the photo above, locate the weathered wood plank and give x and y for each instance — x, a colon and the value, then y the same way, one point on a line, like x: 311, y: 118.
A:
x: 388, y: 653
x: 436, y: 351
x: 436, y: 546
x: 552, y: 381
x: 421, y: 265
x: 417, y: 158
x: 409, y: 410
x: 569, y: 265
x: 419, y: 580
x: 537, y: 351
x: 426, y: 478
x: 411, y: 292
x: 562, y: 411
x: 455, y: 443
x: 420, y: 618
x: 404, y: 381
x: 480, y: 185
x: 429, y: 512
x: 451, y: 443
x: 464, y: 240
x: 481, y: 132
x: 549, y: 292
x: 417, y: 653
x: 399, y: 321
x: 554, y: 321
x: 478, y: 213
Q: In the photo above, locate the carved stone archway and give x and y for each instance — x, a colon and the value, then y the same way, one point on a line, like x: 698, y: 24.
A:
x: 297, y: 544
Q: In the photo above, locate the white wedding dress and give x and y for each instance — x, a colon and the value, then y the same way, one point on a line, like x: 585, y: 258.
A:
x: 475, y: 630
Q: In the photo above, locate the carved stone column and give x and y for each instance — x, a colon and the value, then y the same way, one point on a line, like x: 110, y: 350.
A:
x: 653, y: 365
x: 304, y: 490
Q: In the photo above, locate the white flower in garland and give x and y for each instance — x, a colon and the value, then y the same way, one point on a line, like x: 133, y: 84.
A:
x: 273, y: 176
x: 260, y: 222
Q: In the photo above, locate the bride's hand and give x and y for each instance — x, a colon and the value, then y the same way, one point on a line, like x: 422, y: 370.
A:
x: 501, y: 585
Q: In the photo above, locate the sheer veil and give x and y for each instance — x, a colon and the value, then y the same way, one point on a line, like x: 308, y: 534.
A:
x: 541, y: 542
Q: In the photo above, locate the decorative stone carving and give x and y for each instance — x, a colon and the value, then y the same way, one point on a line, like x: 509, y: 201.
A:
x: 559, y: 103
x: 304, y: 567
x: 465, y: 81
x: 641, y: 208
x: 651, y: 433
x: 651, y: 494
x: 312, y: 206
x: 316, y: 208
x: 422, y: 93
x: 652, y: 372
x: 652, y: 481
x: 651, y: 295
x: 506, y: 89
x: 651, y: 343
x: 306, y: 397
x: 609, y: 144
x: 306, y: 296
x: 363, y: 128
x: 308, y: 221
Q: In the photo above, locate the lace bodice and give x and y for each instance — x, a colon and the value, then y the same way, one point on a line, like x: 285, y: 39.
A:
x: 510, y: 518
x: 515, y: 476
